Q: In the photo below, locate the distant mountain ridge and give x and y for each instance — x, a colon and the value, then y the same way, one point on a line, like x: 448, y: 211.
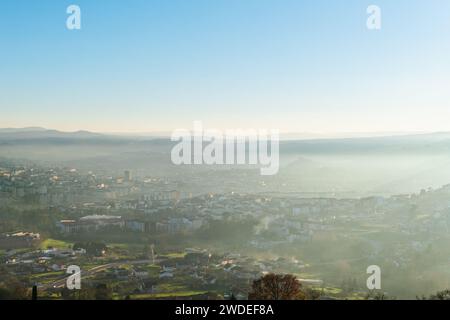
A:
x: 359, y: 165
x: 37, y: 133
x: 25, y: 129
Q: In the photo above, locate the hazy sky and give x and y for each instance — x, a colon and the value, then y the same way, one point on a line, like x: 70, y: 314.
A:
x: 299, y: 66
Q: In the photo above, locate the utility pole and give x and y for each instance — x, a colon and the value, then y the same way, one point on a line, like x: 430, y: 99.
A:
x: 152, y: 247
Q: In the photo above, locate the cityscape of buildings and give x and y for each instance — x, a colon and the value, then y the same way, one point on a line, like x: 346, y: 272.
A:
x: 236, y: 236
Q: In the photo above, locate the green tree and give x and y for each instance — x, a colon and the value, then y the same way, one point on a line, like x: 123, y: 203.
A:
x: 440, y: 295
x: 14, y: 290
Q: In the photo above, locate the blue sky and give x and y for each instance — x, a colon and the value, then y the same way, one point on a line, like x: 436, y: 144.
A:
x: 157, y: 65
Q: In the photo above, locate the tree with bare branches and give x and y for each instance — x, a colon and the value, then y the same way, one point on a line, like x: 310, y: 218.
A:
x: 276, y: 287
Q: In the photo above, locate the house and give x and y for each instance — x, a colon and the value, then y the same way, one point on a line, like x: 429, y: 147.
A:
x: 166, y: 274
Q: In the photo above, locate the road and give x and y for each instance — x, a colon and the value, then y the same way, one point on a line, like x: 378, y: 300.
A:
x: 85, y: 274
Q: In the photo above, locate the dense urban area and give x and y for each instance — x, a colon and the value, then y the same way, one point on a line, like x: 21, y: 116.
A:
x: 144, y: 238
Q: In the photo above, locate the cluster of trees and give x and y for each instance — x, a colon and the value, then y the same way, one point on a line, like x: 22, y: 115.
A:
x: 287, y: 287
x: 230, y: 231
x: 440, y: 295
x: 37, y: 220
x: 14, y: 290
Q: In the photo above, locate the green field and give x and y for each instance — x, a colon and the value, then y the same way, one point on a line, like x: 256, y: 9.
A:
x: 175, y: 255
x: 53, y: 243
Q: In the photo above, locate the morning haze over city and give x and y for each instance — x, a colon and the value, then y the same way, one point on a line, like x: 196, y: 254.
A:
x: 215, y: 150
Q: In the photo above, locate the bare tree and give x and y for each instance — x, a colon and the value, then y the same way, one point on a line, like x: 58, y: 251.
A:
x: 276, y: 287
